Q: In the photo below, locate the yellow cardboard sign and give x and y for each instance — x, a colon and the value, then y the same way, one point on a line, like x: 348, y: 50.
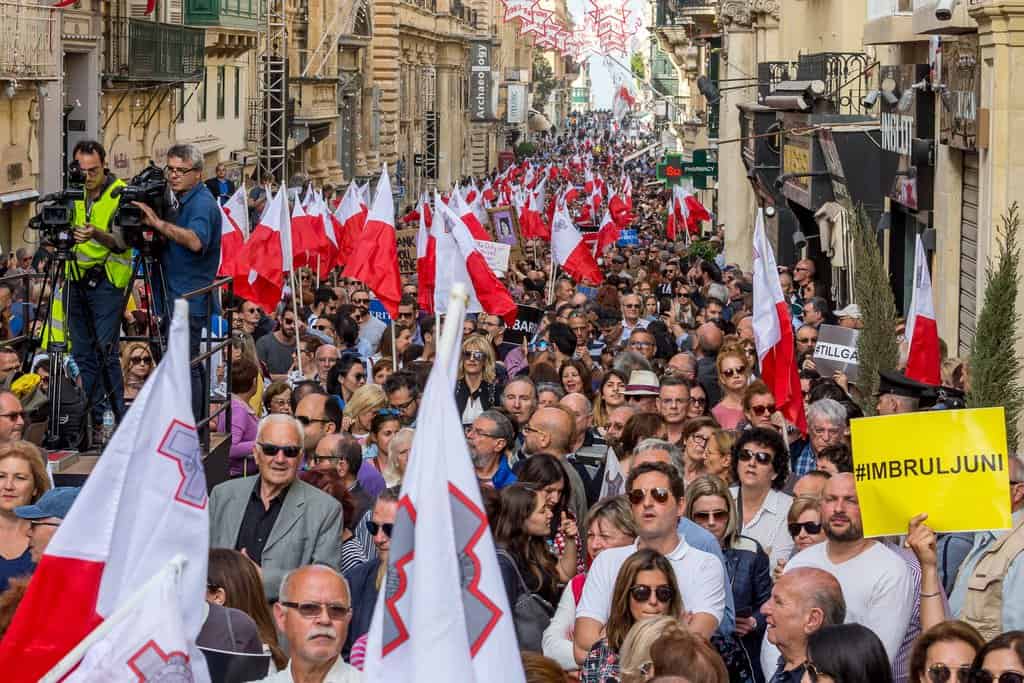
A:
x: 951, y: 464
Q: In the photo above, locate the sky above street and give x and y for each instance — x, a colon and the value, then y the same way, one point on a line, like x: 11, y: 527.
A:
x: 600, y: 72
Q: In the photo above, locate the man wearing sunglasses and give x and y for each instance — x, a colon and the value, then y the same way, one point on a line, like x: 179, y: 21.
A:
x: 655, y: 492
x: 314, y: 614
x: 802, y: 601
x: 631, y: 320
x: 12, y: 418
x: 277, y: 521
x: 363, y: 578
x: 370, y: 328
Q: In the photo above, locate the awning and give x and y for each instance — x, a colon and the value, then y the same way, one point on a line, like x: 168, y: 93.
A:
x: 22, y: 196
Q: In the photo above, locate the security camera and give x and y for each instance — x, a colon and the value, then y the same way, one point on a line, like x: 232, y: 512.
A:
x: 944, y: 9
x: 799, y: 240
x: 869, y: 100
x: 890, y: 97
x: 770, y: 211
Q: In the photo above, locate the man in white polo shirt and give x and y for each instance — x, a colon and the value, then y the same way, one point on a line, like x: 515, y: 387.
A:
x: 655, y: 493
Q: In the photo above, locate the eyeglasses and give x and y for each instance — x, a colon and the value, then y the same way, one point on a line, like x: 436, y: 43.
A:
x: 762, y: 457
x: 642, y: 593
x: 402, y: 407
x: 361, y: 302
x: 762, y: 410
x: 410, y: 314
x: 641, y: 344
x: 33, y: 523
x: 698, y: 401
x: 710, y: 516
x: 732, y: 372
x: 982, y: 676
x: 140, y: 360
x: 474, y: 355
x: 373, y: 527
x: 528, y: 428
x: 826, y: 432
x: 16, y: 415
x: 359, y: 377
x: 271, y: 450
x: 631, y: 305
x: 323, y: 328
x: 940, y: 673
x: 311, y: 610
x: 178, y: 170
x: 659, y: 494
x: 306, y: 420
x: 812, y: 528
x: 323, y: 459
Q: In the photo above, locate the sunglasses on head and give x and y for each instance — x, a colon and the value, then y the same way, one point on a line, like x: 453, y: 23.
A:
x: 311, y: 610
x: 763, y: 410
x: 642, y: 593
x: 812, y: 528
x: 762, y: 457
x: 373, y: 527
x: 271, y: 450
x: 659, y: 494
x: 982, y: 676
x: 710, y: 516
x: 940, y: 673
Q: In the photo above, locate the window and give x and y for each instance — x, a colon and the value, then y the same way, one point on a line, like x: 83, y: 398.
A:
x: 221, y: 88
x: 238, y: 90
x: 201, y: 104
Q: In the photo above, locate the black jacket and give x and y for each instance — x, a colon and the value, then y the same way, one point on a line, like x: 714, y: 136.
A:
x: 490, y: 395
x: 213, y: 185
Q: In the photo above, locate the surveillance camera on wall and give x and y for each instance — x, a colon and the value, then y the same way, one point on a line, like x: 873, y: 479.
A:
x: 944, y: 9
x: 870, y: 99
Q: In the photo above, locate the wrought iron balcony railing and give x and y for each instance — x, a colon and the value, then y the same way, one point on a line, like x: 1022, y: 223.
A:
x: 31, y: 39
x: 140, y: 50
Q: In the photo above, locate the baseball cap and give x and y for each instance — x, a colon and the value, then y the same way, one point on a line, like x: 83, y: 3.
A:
x: 851, y: 311
x: 54, y: 503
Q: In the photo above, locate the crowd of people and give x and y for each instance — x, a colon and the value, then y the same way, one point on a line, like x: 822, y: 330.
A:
x: 655, y: 515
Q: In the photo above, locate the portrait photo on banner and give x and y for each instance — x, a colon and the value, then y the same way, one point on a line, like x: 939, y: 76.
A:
x: 505, y: 226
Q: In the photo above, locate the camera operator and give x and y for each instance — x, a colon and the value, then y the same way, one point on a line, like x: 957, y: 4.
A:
x: 191, y: 257
x: 97, y: 277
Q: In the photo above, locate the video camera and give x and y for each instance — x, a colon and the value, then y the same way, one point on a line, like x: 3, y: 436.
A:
x: 57, y: 211
x: 150, y: 188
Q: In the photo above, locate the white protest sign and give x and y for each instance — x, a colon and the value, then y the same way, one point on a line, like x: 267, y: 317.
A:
x: 495, y: 253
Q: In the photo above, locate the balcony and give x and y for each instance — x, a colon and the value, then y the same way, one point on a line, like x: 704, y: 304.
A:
x: 29, y: 50
x: 890, y: 22
x: 139, y: 50
x: 672, y: 13
x: 846, y: 76
x: 241, y: 14
x: 925, y: 22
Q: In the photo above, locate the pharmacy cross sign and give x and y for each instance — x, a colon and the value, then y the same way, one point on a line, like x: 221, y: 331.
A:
x: 703, y: 169
x: 670, y: 171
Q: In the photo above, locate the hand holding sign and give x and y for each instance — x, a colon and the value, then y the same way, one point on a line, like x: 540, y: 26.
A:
x: 921, y: 539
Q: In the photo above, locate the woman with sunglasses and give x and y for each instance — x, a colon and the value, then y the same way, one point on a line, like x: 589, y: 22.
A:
x: 698, y: 402
x: 609, y: 524
x: 758, y: 406
x: 944, y: 653
x: 384, y: 424
x: 760, y: 466
x: 846, y: 653
x: 477, y: 389
x: 136, y: 367
x: 1001, y: 660
x: 733, y: 376
x: 644, y: 589
x: 710, y: 505
x: 705, y: 450
x: 277, y: 399
x: 610, y: 396
x: 804, y: 523
x: 345, y: 377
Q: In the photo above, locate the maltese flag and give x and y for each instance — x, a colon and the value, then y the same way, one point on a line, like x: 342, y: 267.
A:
x: 773, y: 332
x: 571, y: 252
x: 442, y: 608
x: 922, y: 332
x: 143, y: 505
x: 234, y: 230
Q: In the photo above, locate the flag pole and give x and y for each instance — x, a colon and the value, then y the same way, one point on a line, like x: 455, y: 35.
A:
x: 71, y: 659
x: 395, y: 361
x: 453, y: 319
x: 295, y: 308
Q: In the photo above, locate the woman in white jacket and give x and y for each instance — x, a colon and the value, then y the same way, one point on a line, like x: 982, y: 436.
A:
x: 609, y: 524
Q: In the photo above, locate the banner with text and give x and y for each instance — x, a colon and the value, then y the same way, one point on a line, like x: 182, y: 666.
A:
x: 951, y: 464
x: 525, y: 326
x: 407, y: 251
x: 495, y: 253
x: 480, y: 81
x: 837, y: 350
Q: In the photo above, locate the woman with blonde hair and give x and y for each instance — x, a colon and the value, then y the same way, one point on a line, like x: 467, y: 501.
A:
x: 635, y: 665
x: 477, y: 389
x: 136, y: 367
x: 680, y: 653
x: 734, y: 369
x: 398, y: 456
x: 360, y: 409
x: 23, y: 481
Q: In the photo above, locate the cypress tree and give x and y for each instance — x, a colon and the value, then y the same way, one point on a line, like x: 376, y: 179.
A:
x: 994, y: 364
x: 877, y: 349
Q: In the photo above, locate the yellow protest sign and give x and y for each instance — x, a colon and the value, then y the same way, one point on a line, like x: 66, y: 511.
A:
x: 951, y: 464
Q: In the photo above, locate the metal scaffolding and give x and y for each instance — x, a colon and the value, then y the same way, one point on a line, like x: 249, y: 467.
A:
x: 274, y: 96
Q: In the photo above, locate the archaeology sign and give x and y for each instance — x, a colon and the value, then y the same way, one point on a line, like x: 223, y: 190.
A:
x: 480, y: 82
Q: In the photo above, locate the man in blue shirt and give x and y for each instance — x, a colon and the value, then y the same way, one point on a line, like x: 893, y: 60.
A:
x: 190, y: 259
x: 220, y: 186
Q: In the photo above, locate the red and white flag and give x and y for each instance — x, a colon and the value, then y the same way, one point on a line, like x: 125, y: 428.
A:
x: 693, y: 209
x: 375, y: 259
x: 443, y: 609
x: 571, y: 252
x: 924, y: 362
x: 426, y: 258
x: 608, y: 234
x: 488, y: 290
x: 234, y: 230
x: 144, y: 504
x: 773, y: 332
x: 463, y: 210
x: 261, y: 265
x: 351, y: 214
x: 307, y: 232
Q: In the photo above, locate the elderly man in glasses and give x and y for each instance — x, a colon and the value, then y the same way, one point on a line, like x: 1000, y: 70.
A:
x: 12, y: 417
x: 314, y: 615
x: 278, y: 521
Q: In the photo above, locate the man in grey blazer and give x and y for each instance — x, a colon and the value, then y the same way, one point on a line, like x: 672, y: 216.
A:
x: 277, y: 520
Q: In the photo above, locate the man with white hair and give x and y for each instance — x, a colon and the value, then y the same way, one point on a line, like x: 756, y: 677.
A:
x: 826, y: 426
x: 314, y: 613
x: 277, y: 520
